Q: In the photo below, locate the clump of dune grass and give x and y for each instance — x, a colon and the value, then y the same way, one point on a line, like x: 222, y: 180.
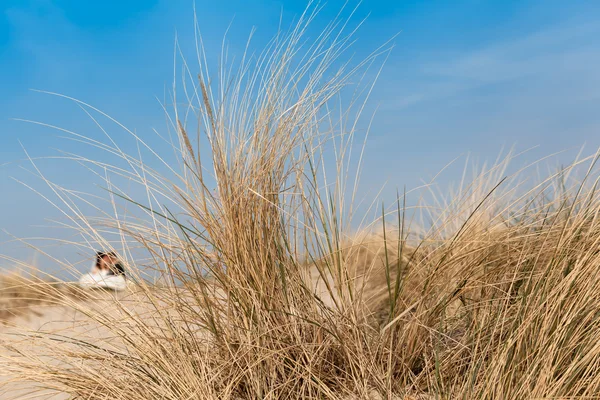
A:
x: 270, y: 294
x: 22, y: 292
x: 18, y: 294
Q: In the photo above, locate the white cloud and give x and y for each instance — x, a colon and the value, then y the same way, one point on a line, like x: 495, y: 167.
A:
x: 565, y: 56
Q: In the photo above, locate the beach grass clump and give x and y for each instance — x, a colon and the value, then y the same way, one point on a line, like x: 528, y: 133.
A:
x: 25, y: 293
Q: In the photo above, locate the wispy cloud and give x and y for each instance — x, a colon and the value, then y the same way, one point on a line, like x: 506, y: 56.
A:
x: 566, y: 56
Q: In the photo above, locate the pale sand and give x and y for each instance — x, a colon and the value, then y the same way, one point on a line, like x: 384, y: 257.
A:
x: 69, y: 322
x: 66, y: 321
x: 62, y: 320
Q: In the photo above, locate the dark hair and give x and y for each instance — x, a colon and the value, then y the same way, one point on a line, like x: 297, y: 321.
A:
x: 117, y: 269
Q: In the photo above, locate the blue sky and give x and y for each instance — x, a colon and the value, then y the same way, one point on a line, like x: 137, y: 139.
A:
x: 465, y: 76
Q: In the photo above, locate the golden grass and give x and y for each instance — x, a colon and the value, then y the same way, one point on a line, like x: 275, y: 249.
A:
x: 270, y: 295
x: 22, y: 293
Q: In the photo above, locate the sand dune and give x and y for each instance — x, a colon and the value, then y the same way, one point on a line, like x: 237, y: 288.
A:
x: 67, y: 321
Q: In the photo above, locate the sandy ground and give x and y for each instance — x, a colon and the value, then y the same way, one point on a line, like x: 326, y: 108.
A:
x: 42, y: 318
x: 67, y: 321
x: 61, y: 320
